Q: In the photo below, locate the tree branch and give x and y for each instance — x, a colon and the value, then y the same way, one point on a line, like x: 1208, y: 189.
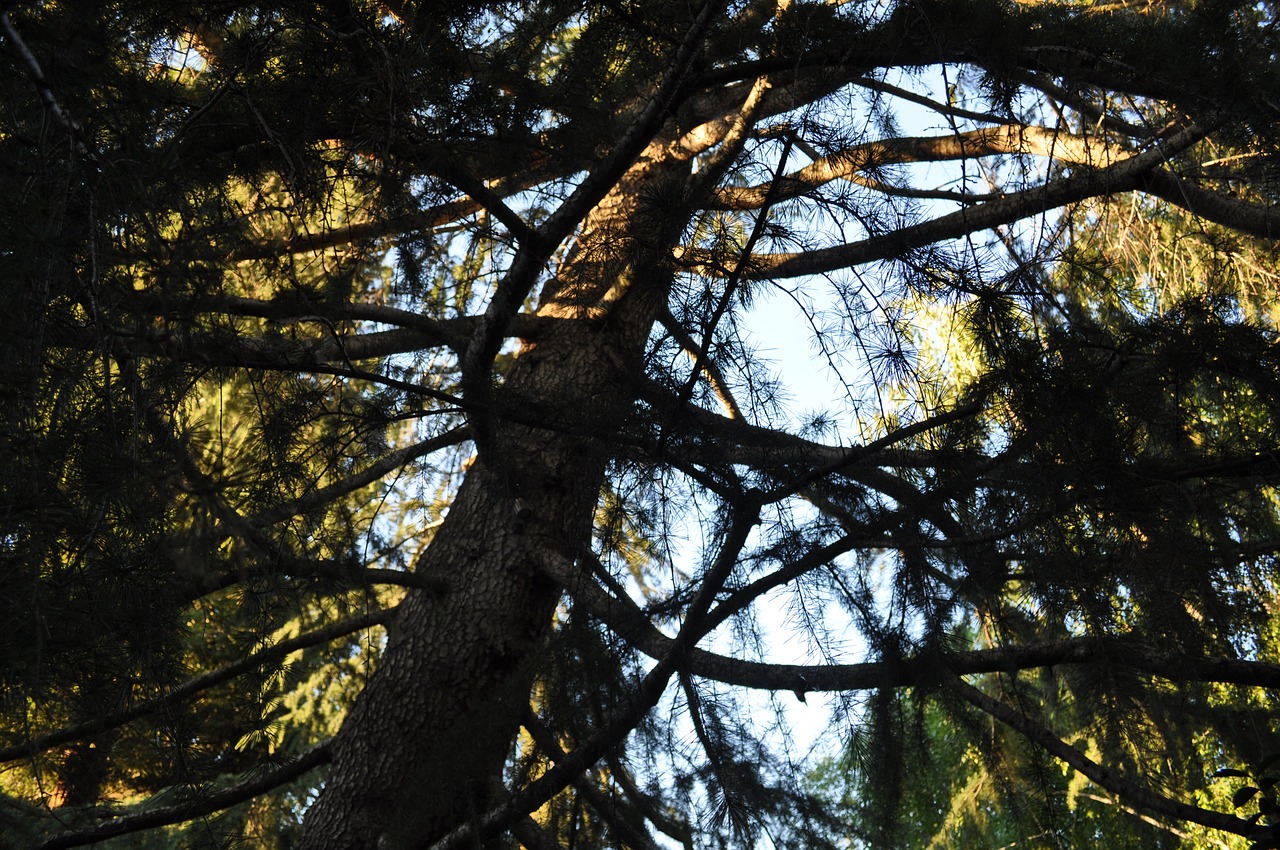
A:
x: 1123, y: 787
x: 1125, y: 175
x: 378, y: 469
x: 1262, y: 220
x: 628, y: 832
x: 287, y: 307
x: 193, y: 687
x: 41, y: 83
x: 624, y: 618
x: 715, y: 377
x: 202, y: 804
x: 1019, y: 139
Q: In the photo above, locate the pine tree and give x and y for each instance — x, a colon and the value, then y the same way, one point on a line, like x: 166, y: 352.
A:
x: 391, y: 459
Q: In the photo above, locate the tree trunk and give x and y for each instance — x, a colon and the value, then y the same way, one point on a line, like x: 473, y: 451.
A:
x: 424, y: 746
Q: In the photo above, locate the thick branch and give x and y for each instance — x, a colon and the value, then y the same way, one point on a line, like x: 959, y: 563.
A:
x: 287, y: 308
x: 430, y: 218
x: 626, y: 619
x: 350, y: 574
x: 1125, y: 175
x: 417, y: 331
x: 1256, y: 219
x: 715, y: 376
x: 1006, y: 139
x: 41, y: 83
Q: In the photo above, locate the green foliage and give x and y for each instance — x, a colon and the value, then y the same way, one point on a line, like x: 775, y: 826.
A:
x: 256, y: 257
x: 1259, y: 794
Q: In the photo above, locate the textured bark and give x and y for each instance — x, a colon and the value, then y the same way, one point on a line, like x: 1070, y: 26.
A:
x: 422, y: 751
x: 432, y: 727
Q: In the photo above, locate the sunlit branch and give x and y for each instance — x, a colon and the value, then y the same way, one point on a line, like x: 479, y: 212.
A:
x: 1138, y: 7
x: 490, y: 191
x: 328, y: 354
x: 1018, y: 139
x: 407, y: 387
x: 1123, y: 787
x: 194, y: 687
x: 1143, y: 816
x: 280, y: 560
x: 715, y: 377
x: 733, y: 135
x: 257, y: 783
x: 198, y: 481
x: 367, y: 231
x: 715, y: 107
x: 414, y: 331
x: 1125, y: 175
x: 334, y: 347
x: 433, y: 217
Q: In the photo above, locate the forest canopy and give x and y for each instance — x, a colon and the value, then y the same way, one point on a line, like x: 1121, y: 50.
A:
x: 702, y: 423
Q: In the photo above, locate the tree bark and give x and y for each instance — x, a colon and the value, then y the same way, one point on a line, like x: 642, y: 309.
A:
x: 422, y: 750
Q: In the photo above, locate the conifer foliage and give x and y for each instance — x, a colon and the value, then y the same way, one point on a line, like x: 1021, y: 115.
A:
x: 498, y: 423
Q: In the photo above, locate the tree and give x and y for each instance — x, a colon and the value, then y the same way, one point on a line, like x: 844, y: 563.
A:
x: 391, y: 464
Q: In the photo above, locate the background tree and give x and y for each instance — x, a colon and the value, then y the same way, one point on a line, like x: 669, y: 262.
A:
x: 393, y: 461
